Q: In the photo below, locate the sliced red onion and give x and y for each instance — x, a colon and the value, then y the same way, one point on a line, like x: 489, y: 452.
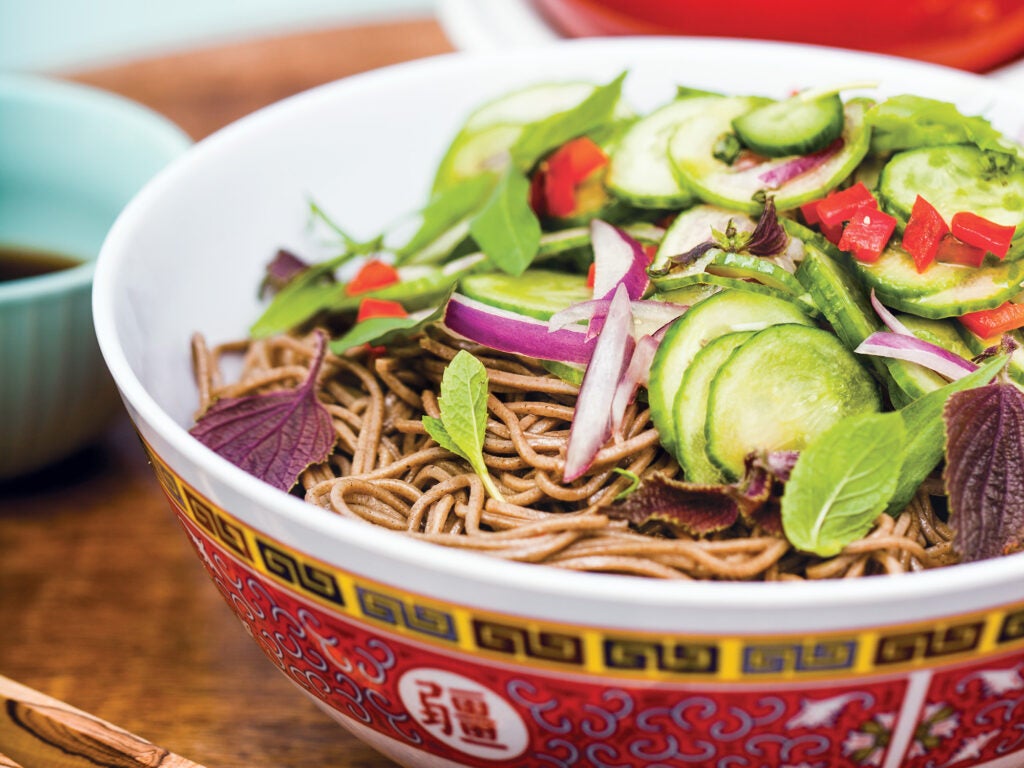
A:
x: 514, y: 333
x: 648, y: 315
x: 891, y: 321
x: 618, y: 258
x: 636, y: 376
x: 915, y: 350
x: 592, y: 424
x: 788, y: 170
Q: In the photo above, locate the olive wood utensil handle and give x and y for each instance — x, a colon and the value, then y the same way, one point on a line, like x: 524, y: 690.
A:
x: 37, y: 731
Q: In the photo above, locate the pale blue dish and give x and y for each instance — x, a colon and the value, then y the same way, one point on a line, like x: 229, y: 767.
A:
x: 71, y: 157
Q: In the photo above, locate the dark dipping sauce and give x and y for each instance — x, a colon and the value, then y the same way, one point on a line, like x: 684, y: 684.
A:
x: 18, y: 262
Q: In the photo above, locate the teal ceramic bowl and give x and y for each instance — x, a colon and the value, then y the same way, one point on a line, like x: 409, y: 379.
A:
x: 71, y: 157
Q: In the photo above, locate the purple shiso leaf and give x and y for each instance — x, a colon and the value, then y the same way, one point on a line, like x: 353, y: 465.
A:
x: 592, y: 423
x: 984, y: 472
x: 515, y: 333
x: 274, y: 436
x: 618, y: 258
x: 768, y: 237
x: 891, y: 321
x: 787, y: 170
x: 282, y: 269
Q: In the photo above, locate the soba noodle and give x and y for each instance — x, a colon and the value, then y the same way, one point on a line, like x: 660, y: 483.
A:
x: 387, y: 471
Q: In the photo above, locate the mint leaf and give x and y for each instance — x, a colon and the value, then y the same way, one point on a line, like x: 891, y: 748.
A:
x: 463, y: 422
x: 984, y: 471
x: 925, y: 430
x: 907, y: 121
x: 842, y: 481
x: 274, y: 436
x: 543, y: 136
x: 507, y: 229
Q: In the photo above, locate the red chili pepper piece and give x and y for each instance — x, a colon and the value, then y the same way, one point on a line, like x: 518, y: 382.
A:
x: 982, y: 233
x: 370, y: 308
x: 590, y: 275
x: 810, y: 212
x: 987, y: 323
x: 372, y: 275
x: 953, y: 250
x: 923, y: 233
x: 867, y: 234
x: 843, y: 205
x: 561, y: 174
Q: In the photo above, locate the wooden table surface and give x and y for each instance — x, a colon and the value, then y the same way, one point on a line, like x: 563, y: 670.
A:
x: 136, y: 635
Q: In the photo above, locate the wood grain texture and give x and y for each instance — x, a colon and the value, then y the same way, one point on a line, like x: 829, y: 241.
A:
x: 35, y: 728
x: 103, y: 603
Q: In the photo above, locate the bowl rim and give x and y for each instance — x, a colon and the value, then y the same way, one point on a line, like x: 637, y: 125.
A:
x: 515, y: 576
x: 33, y: 90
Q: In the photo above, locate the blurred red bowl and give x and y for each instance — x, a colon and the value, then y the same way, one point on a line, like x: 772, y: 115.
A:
x: 976, y: 35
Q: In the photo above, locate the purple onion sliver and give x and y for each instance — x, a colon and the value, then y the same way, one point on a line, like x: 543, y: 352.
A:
x: 514, y: 333
x: 592, y: 425
x: 890, y: 320
x: 915, y: 350
x: 618, y: 258
x: 779, y: 174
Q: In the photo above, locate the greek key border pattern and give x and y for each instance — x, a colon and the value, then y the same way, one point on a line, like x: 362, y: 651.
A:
x: 829, y: 656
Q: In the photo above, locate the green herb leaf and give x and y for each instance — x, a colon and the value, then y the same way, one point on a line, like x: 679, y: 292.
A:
x: 381, y: 331
x: 984, y: 471
x: 507, y: 229
x: 446, y: 209
x: 925, y: 430
x: 463, y: 422
x: 543, y: 136
x: 842, y: 481
x: 307, y: 294
x: 353, y: 247
x: 907, y: 121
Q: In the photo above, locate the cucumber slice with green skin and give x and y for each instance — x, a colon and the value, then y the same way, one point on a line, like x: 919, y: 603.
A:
x: 639, y: 171
x: 691, y: 404
x: 536, y: 293
x: 674, y: 283
x: 846, y: 306
x: 691, y: 152
x: 943, y: 290
x: 687, y: 295
x: 802, y: 379
x: 727, y: 311
x: 747, y: 267
x: 694, y: 226
x: 528, y: 105
x: 471, y: 154
x: 794, y: 126
x: 953, y: 179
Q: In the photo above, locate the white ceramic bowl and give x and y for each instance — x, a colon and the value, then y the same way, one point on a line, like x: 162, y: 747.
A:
x: 530, y: 666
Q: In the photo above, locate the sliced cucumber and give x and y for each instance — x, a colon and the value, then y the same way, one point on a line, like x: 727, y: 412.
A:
x: 725, y: 312
x: 691, y: 404
x: 942, y: 290
x: 691, y: 150
x: 536, y: 292
x: 639, y: 170
x: 669, y: 285
x: 747, y: 267
x: 483, y: 142
x: 793, y: 126
x: 687, y: 295
x: 801, y: 380
x: 694, y: 226
x: 955, y: 178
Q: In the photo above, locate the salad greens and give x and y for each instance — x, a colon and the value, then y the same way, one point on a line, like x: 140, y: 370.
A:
x: 819, y: 201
